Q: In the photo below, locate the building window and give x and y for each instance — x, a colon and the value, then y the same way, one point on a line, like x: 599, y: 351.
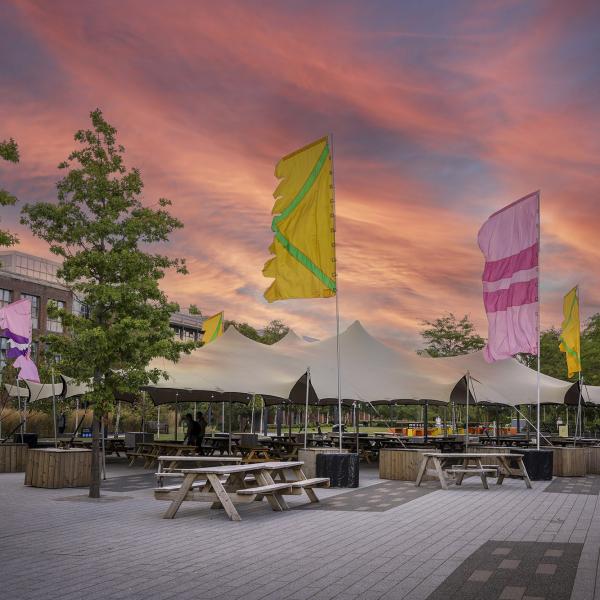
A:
x: 5, y: 297
x: 35, y: 309
x: 3, y: 349
x: 81, y: 309
x: 55, y: 324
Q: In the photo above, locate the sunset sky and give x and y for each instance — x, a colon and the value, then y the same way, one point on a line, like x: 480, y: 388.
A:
x: 441, y: 113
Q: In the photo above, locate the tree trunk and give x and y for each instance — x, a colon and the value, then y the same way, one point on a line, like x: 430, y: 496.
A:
x: 95, y: 475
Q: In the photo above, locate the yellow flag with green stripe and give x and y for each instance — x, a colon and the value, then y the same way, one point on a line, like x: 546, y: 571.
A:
x: 213, y: 327
x: 569, y: 338
x: 304, y: 226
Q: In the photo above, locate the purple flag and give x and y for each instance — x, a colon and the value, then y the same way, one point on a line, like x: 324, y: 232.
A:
x: 509, y: 240
x: 15, y: 323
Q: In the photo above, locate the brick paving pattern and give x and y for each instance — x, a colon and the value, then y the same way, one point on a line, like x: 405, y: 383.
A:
x: 590, y: 484
x: 124, y: 550
x: 376, y: 498
x: 514, y: 571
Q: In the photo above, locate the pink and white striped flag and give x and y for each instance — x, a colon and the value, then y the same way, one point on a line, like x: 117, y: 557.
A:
x: 509, y: 240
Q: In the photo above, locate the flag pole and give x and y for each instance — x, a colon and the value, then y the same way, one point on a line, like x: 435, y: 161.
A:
x: 539, y: 348
x: 337, y: 304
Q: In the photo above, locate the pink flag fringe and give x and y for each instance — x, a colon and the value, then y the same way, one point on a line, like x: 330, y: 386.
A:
x: 509, y: 240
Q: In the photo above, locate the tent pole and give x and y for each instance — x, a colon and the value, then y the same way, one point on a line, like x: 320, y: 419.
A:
x: 426, y: 421
x: 223, y: 416
x: 76, y: 413
x: 158, y: 423
x: 289, y: 412
x: 229, y: 423
x: 578, y: 413
x: 23, y: 417
x: 176, y: 413
x: 118, y: 419
x: 54, y: 409
x: 306, y: 407
x: 252, y: 415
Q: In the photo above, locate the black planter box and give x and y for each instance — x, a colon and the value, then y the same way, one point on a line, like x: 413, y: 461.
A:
x: 539, y: 463
x: 31, y: 439
x: 342, y: 469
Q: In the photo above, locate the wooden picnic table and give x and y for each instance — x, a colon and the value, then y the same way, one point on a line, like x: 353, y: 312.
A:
x: 285, y: 449
x: 226, y: 486
x: 150, y: 451
x: 168, y: 465
x: 111, y: 445
x: 210, y: 445
x: 461, y: 464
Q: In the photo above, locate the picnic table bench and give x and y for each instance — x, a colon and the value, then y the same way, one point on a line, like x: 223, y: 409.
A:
x: 111, y: 445
x: 461, y: 464
x: 226, y: 486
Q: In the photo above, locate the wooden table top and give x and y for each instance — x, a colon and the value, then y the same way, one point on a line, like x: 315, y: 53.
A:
x: 226, y: 470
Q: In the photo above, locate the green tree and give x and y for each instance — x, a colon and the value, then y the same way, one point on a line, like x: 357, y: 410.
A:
x: 100, y: 228
x: 448, y: 336
x: 8, y: 151
x: 194, y: 310
x: 273, y: 332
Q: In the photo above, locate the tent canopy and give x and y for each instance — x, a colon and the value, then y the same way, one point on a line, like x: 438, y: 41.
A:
x: 371, y: 372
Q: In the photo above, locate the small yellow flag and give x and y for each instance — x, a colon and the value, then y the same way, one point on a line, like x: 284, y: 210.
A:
x: 304, y: 228
x: 213, y: 327
x: 569, y: 338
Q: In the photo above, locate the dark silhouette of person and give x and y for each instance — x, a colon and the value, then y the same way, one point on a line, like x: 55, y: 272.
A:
x: 195, y: 431
x: 61, y: 423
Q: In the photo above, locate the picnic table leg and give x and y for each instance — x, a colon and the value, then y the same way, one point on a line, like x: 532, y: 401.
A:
x: 440, y: 472
x: 276, y: 500
x: 422, y: 470
x: 525, y: 474
x: 503, y: 471
x: 482, y: 474
x: 186, y: 486
x: 223, y: 497
x: 299, y: 474
x: 460, y: 476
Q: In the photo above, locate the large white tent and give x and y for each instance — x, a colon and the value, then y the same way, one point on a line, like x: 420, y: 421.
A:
x: 235, y: 367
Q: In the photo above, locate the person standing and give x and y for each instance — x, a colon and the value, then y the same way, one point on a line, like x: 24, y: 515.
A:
x: 61, y: 423
x: 195, y: 431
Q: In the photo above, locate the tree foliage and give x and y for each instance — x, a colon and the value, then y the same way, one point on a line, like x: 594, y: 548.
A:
x: 9, y: 151
x: 100, y: 229
x: 272, y: 332
x: 553, y: 361
x: 448, y: 336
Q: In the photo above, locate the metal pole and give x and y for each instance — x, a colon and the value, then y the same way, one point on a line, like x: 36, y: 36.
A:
x: 223, y: 416
x: 23, y: 414
x: 77, y: 413
x: 158, y: 423
x: 252, y: 414
x: 103, y: 450
x: 539, y: 348
x: 467, y: 418
x: 118, y: 419
x: 426, y: 420
x: 229, y: 444
x: 306, y: 407
x: 578, y: 413
x: 54, y: 409
x: 337, y: 304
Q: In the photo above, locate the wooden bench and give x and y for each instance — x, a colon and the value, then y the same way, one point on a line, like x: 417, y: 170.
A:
x: 263, y: 490
x: 133, y: 455
x: 314, y: 482
x: 462, y: 471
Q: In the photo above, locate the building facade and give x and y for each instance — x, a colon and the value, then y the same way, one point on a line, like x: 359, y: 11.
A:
x: 26, y: 276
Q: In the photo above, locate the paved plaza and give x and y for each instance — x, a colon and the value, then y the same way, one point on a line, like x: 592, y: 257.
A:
x: 380, y: 541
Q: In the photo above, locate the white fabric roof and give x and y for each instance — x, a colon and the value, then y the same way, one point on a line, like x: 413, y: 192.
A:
x: 370, y: 372
x: 507, y: 381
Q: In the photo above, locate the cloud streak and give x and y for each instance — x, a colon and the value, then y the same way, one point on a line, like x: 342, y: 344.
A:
x: 438, y: 120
